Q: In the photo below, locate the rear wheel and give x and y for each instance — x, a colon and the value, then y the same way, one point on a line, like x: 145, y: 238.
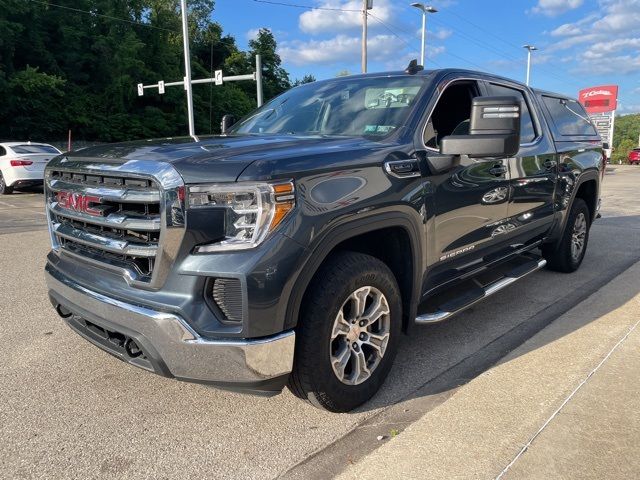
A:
x: 347, y: 334
x: 4, y: 188
x: 567, y: 254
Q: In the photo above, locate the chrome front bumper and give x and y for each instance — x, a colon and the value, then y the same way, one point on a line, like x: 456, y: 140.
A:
x: 171, y: 348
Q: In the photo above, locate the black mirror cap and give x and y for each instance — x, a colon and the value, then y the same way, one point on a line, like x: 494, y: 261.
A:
x: 227, y: 122
x: 494, y: 129
x: 476, y: 146
x: 491, y: 115
x: 605, y: 145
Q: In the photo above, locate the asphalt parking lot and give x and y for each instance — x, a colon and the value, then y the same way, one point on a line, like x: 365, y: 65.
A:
x: 69, y: 410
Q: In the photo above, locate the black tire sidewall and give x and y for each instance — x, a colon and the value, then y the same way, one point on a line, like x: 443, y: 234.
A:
x: 328, y: 390
x: 579, y: 206
x: 560, y: 258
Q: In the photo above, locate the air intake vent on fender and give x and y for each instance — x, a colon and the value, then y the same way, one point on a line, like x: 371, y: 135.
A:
x: 227, y: 296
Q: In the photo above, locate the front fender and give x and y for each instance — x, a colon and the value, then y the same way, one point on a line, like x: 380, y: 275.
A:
x: 346, y: 228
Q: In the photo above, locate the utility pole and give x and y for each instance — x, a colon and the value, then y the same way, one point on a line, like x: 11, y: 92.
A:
x: 530, y: 48
x: 187, y: 66
x: 365, y: 6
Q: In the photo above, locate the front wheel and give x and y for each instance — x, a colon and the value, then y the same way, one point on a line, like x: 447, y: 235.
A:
x: 347, y: 334
x: 567, y: 254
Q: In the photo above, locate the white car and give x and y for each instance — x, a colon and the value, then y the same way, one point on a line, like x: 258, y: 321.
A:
x: 22, y: 164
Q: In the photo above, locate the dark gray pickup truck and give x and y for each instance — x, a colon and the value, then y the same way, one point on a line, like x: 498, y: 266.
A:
x: 296, y: 248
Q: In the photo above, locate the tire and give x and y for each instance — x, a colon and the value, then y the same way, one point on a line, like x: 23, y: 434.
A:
x: 565, y: 256
x: 4, y: 188
x: 331, y: 306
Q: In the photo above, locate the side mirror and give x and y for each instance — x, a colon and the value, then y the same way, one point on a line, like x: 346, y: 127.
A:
x: 605, y: 145
x: 494, y: 130
x: 227, y: 121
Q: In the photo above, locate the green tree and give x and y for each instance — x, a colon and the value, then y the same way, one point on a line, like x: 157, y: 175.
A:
x: 303, y: 80
x: 625, y: 136
x: 275, y: 78
x: 78, y: 67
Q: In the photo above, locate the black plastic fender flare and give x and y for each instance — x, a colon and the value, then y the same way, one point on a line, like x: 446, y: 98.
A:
x: 349, y: 228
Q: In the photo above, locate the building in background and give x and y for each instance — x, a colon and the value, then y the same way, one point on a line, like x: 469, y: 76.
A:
x: 601, y: 103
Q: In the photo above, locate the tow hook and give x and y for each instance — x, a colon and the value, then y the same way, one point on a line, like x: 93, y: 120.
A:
x: 63, y: 312
x: 132, y: 348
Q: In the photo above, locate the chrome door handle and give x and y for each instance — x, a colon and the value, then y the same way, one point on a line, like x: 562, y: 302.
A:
x: 498, y: 170
x: 408, y: 168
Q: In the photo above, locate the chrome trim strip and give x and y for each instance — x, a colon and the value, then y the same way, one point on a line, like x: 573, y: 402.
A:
x: 115, y: 194
x: 489, y: 290
x: 130, y: 275
x: 112, y: 245
x: 171, y: 197
x: 113, y: 220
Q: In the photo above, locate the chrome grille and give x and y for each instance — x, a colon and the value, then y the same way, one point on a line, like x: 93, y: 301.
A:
x: 135, y: 222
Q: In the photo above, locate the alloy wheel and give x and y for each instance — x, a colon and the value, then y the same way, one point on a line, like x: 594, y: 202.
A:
x: 360, y: 335
x: 578, y: 236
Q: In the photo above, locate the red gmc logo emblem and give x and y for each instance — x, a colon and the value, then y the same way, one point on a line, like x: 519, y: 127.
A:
x: 79, y: 202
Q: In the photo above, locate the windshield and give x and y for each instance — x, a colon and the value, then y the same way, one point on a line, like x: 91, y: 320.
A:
x: 374, y: 106
x: 34, y: 149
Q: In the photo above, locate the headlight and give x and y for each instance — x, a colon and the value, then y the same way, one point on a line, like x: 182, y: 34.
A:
x: 252, y: 211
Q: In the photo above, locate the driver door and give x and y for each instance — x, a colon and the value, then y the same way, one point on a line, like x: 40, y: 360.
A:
x: 469, y: 197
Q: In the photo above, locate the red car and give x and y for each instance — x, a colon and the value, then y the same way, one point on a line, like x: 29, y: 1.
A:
x: 634, y: 156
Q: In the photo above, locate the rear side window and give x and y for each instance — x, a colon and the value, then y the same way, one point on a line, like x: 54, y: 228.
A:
x: 527, y: 129
x: 34, y: 149
x: 569, y: 117
x: 3, y: 152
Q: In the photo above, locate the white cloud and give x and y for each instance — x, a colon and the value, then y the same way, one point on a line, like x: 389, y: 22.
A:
x: 551, y: 8
x: 617, y: 20
x: 630, y: 108
x: 603, y: 50
x: 441, y: 34
x: 568, y: 29
x: 318, y: 21
x: 340, y: 49
x: 252, y: 34
x: 400, y: 63
x: 623, y: 64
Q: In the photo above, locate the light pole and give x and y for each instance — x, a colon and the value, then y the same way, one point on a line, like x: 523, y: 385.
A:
x: 187, y: 66
x: 425, y: 9
x: 530, y: 48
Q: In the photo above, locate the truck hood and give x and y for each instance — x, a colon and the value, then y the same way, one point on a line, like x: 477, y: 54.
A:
x: 219, y: 158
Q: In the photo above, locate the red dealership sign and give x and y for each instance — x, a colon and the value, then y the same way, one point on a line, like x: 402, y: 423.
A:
x: 599, y: 99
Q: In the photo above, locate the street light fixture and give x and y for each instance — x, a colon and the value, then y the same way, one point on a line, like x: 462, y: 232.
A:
x: 530, y: 48
x: 425, y: 9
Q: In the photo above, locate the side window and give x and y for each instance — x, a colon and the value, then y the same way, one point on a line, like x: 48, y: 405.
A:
x: 527, y: 129
x: 3, y: 152
x: 452, y: 113
x: 569, y: 117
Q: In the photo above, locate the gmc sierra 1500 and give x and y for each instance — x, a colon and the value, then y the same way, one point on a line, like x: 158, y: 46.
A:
x: 295, y: 248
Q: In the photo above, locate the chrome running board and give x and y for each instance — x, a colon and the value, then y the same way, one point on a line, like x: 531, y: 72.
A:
x: 482, y: 293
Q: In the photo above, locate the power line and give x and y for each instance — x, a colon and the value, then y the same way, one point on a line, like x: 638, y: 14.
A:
x: 94, y: 14
x: 388, y: 27
x: 308, y: 7
x: 501, y: 53
x: 489, y: 32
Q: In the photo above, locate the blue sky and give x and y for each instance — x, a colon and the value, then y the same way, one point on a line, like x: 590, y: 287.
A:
x: 581, y: 43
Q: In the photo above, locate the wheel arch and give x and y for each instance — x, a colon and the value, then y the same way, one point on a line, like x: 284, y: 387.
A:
x: 376, y: 236
x: 587, y: 184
